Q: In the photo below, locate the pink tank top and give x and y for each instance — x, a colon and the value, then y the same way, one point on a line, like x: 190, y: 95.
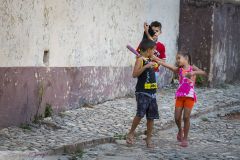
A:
x: 186, y: 85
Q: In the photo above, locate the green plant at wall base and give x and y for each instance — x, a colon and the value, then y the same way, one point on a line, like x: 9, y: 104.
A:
x: 25, y: 126
x: 48, y: 110
x: 199, y: 80
x: 79, y: 153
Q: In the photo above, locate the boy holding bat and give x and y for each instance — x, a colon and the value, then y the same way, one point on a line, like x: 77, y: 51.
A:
x: 145, y: 91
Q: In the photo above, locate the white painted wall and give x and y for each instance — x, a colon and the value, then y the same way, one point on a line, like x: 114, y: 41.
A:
x: 81, y: 32
x: 21, y: 33
x: 167, y: 12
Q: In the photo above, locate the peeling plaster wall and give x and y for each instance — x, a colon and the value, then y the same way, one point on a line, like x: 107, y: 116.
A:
x: 25, y: 91
x: 80, y: 33
x: 21, y: 31
x: 84, y: 43
x: 93, y: 33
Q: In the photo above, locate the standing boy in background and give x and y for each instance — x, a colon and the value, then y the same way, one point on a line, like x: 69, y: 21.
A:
x: 152, y: 32
x: 145, y: 91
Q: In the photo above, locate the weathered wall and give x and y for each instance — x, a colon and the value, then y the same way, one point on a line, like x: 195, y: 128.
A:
x: 80, y: 33
x: 226, y: 44
x: 21, y: 31
x: 196, y: 32
x: 26, y: 91
x: 86, y: 59
x: 209, y: 30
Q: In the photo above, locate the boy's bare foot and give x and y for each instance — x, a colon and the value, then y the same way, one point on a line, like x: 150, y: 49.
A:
x: 149, y: 143
x: 129, y: 139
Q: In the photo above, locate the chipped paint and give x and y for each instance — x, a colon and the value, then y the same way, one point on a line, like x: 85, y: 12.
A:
x: 25, y: 95
x: 226, y: 44
x: 66, y: 29
x: 210, y: 31
x: 87, y: 62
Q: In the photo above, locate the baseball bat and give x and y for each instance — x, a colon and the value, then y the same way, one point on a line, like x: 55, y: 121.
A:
x: 133, y: 50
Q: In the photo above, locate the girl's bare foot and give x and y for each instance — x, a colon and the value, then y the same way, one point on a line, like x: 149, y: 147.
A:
x: 184, y: 143
x: 180, y: 135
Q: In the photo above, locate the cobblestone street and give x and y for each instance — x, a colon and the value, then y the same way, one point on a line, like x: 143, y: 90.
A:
x: 211, y: 137
x: 77, y: 75
x: 210, y: 134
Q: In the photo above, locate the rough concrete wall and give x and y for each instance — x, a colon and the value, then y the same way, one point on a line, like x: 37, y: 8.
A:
x: 21, y: 32
x: 196, y: 31
x: 76, y: 32
x: 93, y: 33
x: 226, y: 44
x: 80, y: 33
x: 85, y: 55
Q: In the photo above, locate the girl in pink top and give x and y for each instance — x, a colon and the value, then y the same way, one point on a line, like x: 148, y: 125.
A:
x: 185, y: 94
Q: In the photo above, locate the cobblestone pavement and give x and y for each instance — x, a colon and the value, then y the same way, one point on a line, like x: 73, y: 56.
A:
x: 104, y: 120
x: 212, y: 136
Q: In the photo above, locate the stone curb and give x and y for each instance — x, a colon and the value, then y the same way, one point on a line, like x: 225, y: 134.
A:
x: 79, y: 146
x: 68, y: 149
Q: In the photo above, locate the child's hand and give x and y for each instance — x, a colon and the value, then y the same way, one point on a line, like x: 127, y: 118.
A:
x: 146, y: 27
x: 160, y: 62
x: 150, y: 65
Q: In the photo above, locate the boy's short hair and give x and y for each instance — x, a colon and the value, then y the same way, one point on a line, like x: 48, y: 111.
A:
x: 146, y: 44
x: 156, y: 24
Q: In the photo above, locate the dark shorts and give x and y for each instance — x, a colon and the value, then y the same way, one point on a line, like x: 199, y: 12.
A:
x: 146, y: 105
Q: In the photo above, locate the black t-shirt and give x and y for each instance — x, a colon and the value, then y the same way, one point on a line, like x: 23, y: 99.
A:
x: 147, y: 81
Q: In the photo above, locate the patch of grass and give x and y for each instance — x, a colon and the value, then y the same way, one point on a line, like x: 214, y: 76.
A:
x: 79, y: 153
x: 25, y: 126
x: 120, y: 136
x: 48, y: 110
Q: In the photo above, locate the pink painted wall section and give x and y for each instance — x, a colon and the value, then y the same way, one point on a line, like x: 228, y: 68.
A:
x: 25, y: 89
